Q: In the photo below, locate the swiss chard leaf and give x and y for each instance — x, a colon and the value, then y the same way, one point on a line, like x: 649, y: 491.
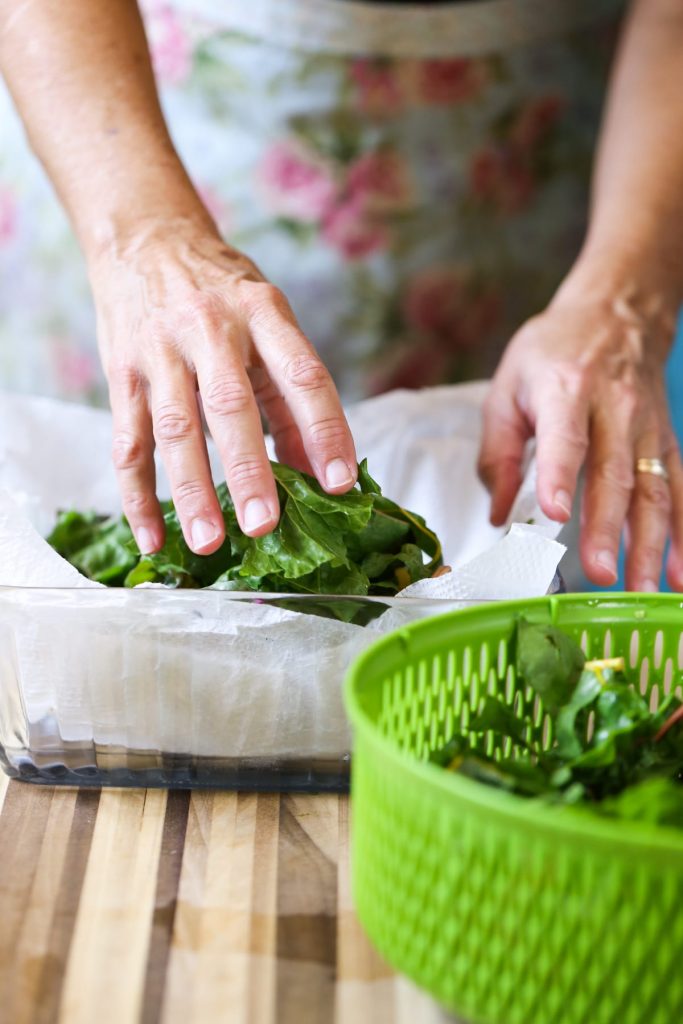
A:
x: 354, y: 543
x: 549, y: 661
x: 102, y: 549
x: 609, y: 752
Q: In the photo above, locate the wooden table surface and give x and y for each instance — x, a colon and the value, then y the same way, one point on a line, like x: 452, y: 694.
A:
x: 142, y: 906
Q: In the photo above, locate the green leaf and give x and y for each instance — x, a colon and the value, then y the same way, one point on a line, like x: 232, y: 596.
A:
x: 102, y: 549
x: 656, y: 801
x: 498, y: 717
x: 323, y: 543
x: 549, y: 661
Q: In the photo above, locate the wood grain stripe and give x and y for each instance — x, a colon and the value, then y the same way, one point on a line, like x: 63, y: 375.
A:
x: 24, y: 819
x: 165, y: 902
x: 223, y: 941
x: 306, y: 911
x: 133, y: 907
x: 112, y: 931
x: 45, y: 937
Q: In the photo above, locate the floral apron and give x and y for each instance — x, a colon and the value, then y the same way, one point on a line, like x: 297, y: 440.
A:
x: 414, y: 178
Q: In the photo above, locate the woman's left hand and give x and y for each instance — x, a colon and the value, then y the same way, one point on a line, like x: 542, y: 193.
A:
x: 586, y: 377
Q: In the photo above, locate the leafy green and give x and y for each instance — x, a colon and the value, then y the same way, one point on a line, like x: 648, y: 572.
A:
x: 549, y: 660
x: 356, y: 543
x: 609, y: 752
x: 102, y: 549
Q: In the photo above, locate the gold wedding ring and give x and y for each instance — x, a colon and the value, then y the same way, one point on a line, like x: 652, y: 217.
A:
x: 654, y: 466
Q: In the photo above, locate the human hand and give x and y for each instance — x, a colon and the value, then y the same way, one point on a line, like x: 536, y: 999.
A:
x: 586, y: 377
x: 183, y: 317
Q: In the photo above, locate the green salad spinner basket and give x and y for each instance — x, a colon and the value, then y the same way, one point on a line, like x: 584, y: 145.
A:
x: 511, y: 911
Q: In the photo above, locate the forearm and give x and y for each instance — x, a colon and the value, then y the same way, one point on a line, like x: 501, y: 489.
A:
x: 635, y: 236
x: 80, y: 74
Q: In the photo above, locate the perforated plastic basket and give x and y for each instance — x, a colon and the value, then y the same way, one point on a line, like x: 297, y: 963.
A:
x: 507, y: 911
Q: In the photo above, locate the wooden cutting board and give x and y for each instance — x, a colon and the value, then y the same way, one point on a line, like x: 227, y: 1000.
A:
x: 127, y: 906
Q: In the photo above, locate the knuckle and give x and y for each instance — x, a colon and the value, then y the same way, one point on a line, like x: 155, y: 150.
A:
x: 244, y: 471
x: 262, y: 297
x: 136, y: 504
x: 126, y: 377
x: 328, y: 433
x: 173, y: 424
x: 225, y: 395
x: 127, y: 450
x: 190, y: 495
x: 646, y: 555
x: 629, y: 399
x: 654, y: 494
x: 573, y: 380
x: 305, y: 373
x: 616, y: 472
x: 206, y: 306
x: 157, y: 334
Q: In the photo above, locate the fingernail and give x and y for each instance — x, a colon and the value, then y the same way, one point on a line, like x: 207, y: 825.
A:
x: 649, y: 587
x: 203, y: 533
x: 563, y: 501
x: 607, y: 561
x: 338, y: 474
x: 256, y: 513
x: 145, y: 540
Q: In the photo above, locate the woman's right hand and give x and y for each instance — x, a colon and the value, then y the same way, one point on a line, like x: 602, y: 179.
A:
x: 183, y: 317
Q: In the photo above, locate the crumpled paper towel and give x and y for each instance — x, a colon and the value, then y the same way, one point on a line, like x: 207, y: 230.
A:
x: 202, y: 672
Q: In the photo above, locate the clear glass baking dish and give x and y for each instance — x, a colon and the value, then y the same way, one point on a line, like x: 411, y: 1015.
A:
x: 183, y: 689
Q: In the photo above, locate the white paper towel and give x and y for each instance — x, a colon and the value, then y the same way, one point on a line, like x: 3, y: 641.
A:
x: 201, y: 672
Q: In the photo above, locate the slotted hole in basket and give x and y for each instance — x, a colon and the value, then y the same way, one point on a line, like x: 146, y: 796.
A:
x: 607, y: 644
x: 421, y: 679
x: 583, y: 642
x: 427, y: 707
x: 434, y: 734
x: 484, y: 660
x: 654, y: 698
x: 590, y: 726
x: 510, y: 678
x: 436, y: 674
x: 448, y: 725
x: 502, y: 658
x: 457, y: 696
x: 680, y: 652
x: 467, y: 663
x: 644, y: 675
x: 634, y: 648
x: 547, y: 733
x: 474, y: 691
x: 668, y: 676
x: 441, y: 703
x: 658, y: 648
x: 537, y: 713
x: 492, y: 687
x: 450, y: 668
x: 518, y: 704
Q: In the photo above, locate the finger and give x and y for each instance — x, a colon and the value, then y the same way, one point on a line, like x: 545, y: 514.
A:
x: 233, y: 419
x: 607, y: 494
x: 289, y: 446
x: 648, y: 522
x: 307, y: 388
x: 561, y: 446
x: 504, y: 436
x: 181, y: 443
x: 674, y: 565
x: 133, y: 458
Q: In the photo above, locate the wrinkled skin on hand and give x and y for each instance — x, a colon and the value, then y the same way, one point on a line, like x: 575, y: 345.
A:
x: 188, y: 325
x: 586, y: 377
